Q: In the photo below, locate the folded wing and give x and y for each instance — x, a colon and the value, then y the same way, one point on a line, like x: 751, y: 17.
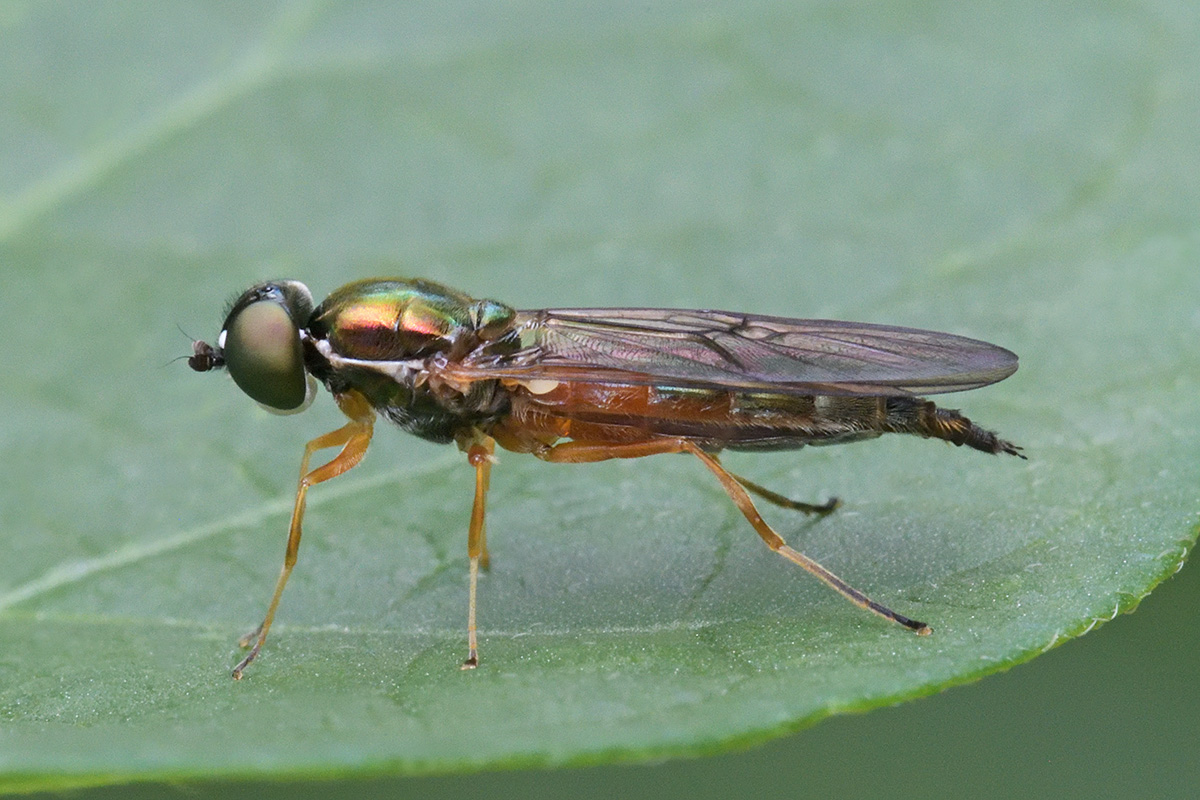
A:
x: 719, y: 349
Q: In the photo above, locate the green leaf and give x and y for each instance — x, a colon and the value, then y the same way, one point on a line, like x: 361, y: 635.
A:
x: 953, y: 168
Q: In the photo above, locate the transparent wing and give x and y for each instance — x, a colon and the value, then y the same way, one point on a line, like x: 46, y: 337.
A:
x: 719, y: 349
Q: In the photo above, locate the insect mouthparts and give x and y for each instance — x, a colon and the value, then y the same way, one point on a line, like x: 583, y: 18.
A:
x: 205, y: 357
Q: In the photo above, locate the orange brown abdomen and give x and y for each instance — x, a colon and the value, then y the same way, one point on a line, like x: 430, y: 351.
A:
x: 715, y: 419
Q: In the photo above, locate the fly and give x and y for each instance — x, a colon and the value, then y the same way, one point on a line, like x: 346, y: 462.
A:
x: 584, y: 385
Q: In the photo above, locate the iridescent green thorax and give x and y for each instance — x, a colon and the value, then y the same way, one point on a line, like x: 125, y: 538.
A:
x: 387, y: 320
x: 375, y: 333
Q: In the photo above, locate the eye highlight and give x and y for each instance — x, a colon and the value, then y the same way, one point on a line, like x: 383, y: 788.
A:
x: 264, y: 355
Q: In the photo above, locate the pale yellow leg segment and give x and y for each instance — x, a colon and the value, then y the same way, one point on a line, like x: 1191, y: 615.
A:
x: 479, y: 455
x: 353, y: 438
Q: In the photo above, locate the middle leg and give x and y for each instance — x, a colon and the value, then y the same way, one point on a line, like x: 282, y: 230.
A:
x: 480, y: 456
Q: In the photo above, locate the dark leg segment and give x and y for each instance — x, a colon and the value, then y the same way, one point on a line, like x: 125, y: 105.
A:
x: 828, y: 506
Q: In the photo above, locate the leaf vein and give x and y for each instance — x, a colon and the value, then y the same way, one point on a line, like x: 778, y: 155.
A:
x: 70, y: 572
x: 76, y: 176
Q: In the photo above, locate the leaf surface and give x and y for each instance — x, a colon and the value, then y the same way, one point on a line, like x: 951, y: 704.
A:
x: 958, y: 170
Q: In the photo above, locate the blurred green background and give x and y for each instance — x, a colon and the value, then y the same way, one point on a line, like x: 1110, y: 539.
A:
x: 1025, y: 172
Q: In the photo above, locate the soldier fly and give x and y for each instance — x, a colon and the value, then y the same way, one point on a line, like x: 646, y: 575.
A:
x: 589, y: 384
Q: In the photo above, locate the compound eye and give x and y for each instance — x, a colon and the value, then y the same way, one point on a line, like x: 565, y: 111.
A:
x: 264, y: 356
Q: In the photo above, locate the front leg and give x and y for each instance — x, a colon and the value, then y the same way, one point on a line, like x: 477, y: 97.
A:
x: 353, y: 438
